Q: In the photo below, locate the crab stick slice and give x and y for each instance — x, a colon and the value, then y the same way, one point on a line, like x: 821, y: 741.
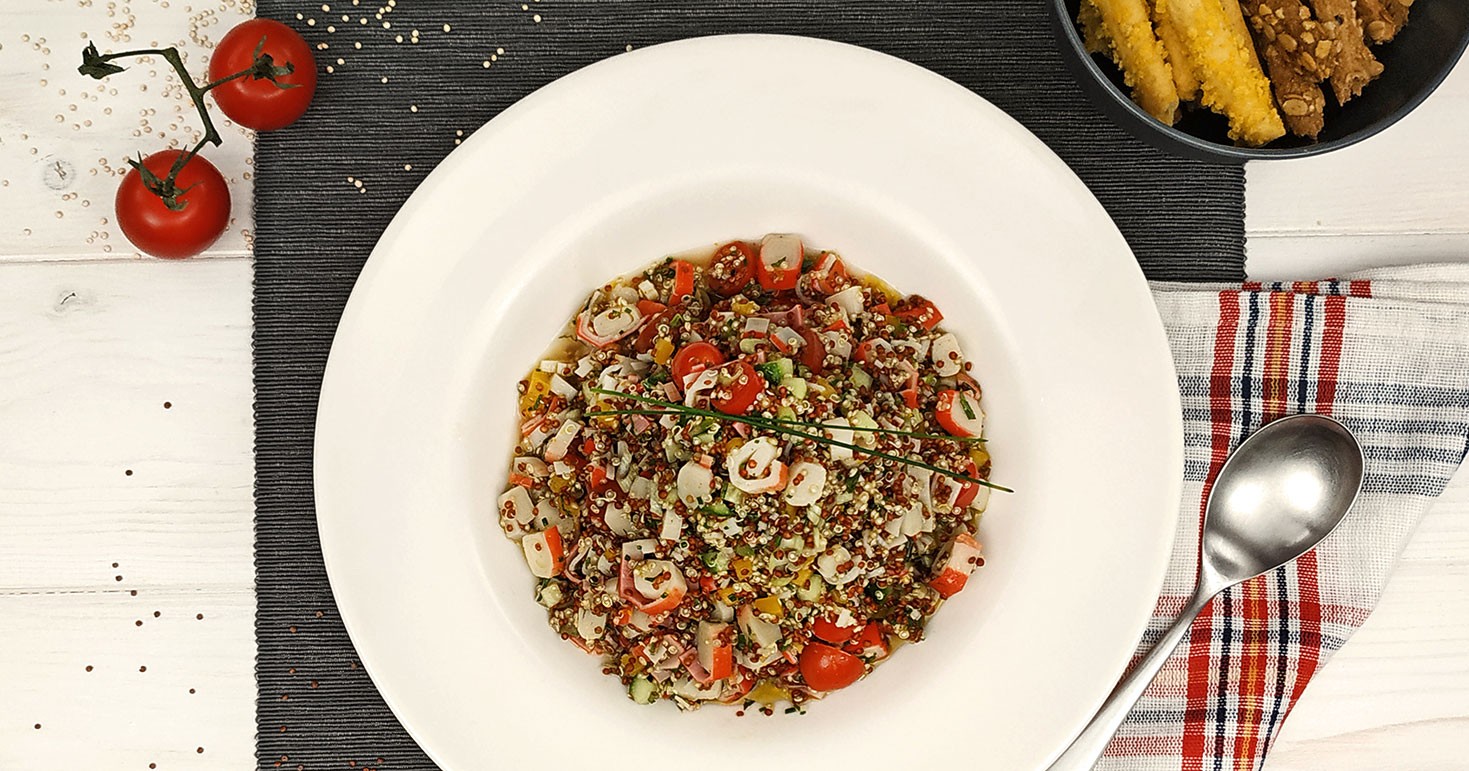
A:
x: 963, y: 556
x: 544, y: 553
x: 716, y: 650
x: 959, y: 413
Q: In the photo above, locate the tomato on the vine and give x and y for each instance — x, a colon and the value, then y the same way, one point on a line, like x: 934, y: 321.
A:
x: 254, y: 101
x: 161, y: 231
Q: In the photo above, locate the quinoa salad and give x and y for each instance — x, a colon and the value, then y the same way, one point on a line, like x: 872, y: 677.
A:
x: 749, y: 477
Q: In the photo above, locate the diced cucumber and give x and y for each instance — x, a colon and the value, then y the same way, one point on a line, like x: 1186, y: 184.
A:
x: 795, y: 386
x: 773, y: 372
x: 717, y: 561
x: 860, y: 378
x: 641, y: 690
x: 717, y: 508
x: 785, y: 413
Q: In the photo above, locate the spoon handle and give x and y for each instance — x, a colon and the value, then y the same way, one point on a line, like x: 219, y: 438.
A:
x: 1088, y: 747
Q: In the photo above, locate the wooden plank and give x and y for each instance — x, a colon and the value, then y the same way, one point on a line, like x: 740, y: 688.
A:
x: 1409, y: 179
x: 65, y: 138
x: 94, y: 468
x: 1305, y: 257
x: 156, y: 693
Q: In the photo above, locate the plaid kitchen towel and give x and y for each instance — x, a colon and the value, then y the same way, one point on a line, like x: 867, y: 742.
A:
x: 1387, y: 354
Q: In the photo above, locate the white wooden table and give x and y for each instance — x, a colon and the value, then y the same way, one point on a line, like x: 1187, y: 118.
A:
x: 126, y: 600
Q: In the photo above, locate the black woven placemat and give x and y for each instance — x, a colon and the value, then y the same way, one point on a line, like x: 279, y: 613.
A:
x: 327, y: 187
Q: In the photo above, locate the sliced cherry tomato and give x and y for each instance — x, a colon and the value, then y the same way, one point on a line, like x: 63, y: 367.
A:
x: 868, y: 642
x: 732, y: 269
x: 828, y: 669
x: 693, y: 359
x: 256, y: 102
x: 824, y: 629
x: 163, y: 232
x: 813, y: 353
x: 779, y: 265
x: 744, y: 385
x: 683, y: 281
x: 920, y: 313
x: 652, y: 328
x: 649, y: 308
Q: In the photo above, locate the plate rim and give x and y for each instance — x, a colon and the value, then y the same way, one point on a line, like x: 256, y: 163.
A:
x: 428, y: 188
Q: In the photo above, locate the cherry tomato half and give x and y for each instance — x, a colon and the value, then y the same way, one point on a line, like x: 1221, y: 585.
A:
x: 256, y: 102
x: 919, y: 312
x: 648, y: 335
x: 813, y: 353
x: 736, y: 396
x: 161, y: 231
x: 828, y: 669
x: 693, y: 359
x: 732, y: 269
x: 823, y: 629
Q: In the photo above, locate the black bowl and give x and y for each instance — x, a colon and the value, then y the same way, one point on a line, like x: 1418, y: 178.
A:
x: 1416, y: 62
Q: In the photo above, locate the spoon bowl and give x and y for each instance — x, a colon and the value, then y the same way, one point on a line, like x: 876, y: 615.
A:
x: 1280, y: 494
x: 1285, y: 489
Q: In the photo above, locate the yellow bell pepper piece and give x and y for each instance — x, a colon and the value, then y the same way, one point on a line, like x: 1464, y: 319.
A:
x: 538, y: 386
x: 768, y: 694
x: 742, y: 568
x: 770, y: 606
x: 662, y: 351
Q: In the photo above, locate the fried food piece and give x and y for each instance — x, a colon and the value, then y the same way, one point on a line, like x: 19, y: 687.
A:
x: 1185, y: 76
x: 1298, y: 53
x: 1353, y: 66
x: 1298, y: 94
x: 1383, y: 19
x: 1092, y: 34
x: 1233, y: 81
x: 1140, y: 55
x: 1303, y: 41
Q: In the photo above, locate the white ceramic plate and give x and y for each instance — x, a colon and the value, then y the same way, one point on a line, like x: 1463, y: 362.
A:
x: 682, y: 145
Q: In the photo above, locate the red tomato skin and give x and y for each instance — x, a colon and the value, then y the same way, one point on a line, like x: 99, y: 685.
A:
x: 162, y: 232
x: 738, y: 259
x: 692, y: 358
x: 813, y: 355
x: 829, y: 669
x: 744, y: 390
x: 648, y: 335
x: 258, y: 103
x: 830, y: 632
x: 920, y: 312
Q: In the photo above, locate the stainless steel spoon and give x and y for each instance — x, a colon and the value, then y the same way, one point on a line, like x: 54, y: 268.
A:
x: 1286, y: 488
